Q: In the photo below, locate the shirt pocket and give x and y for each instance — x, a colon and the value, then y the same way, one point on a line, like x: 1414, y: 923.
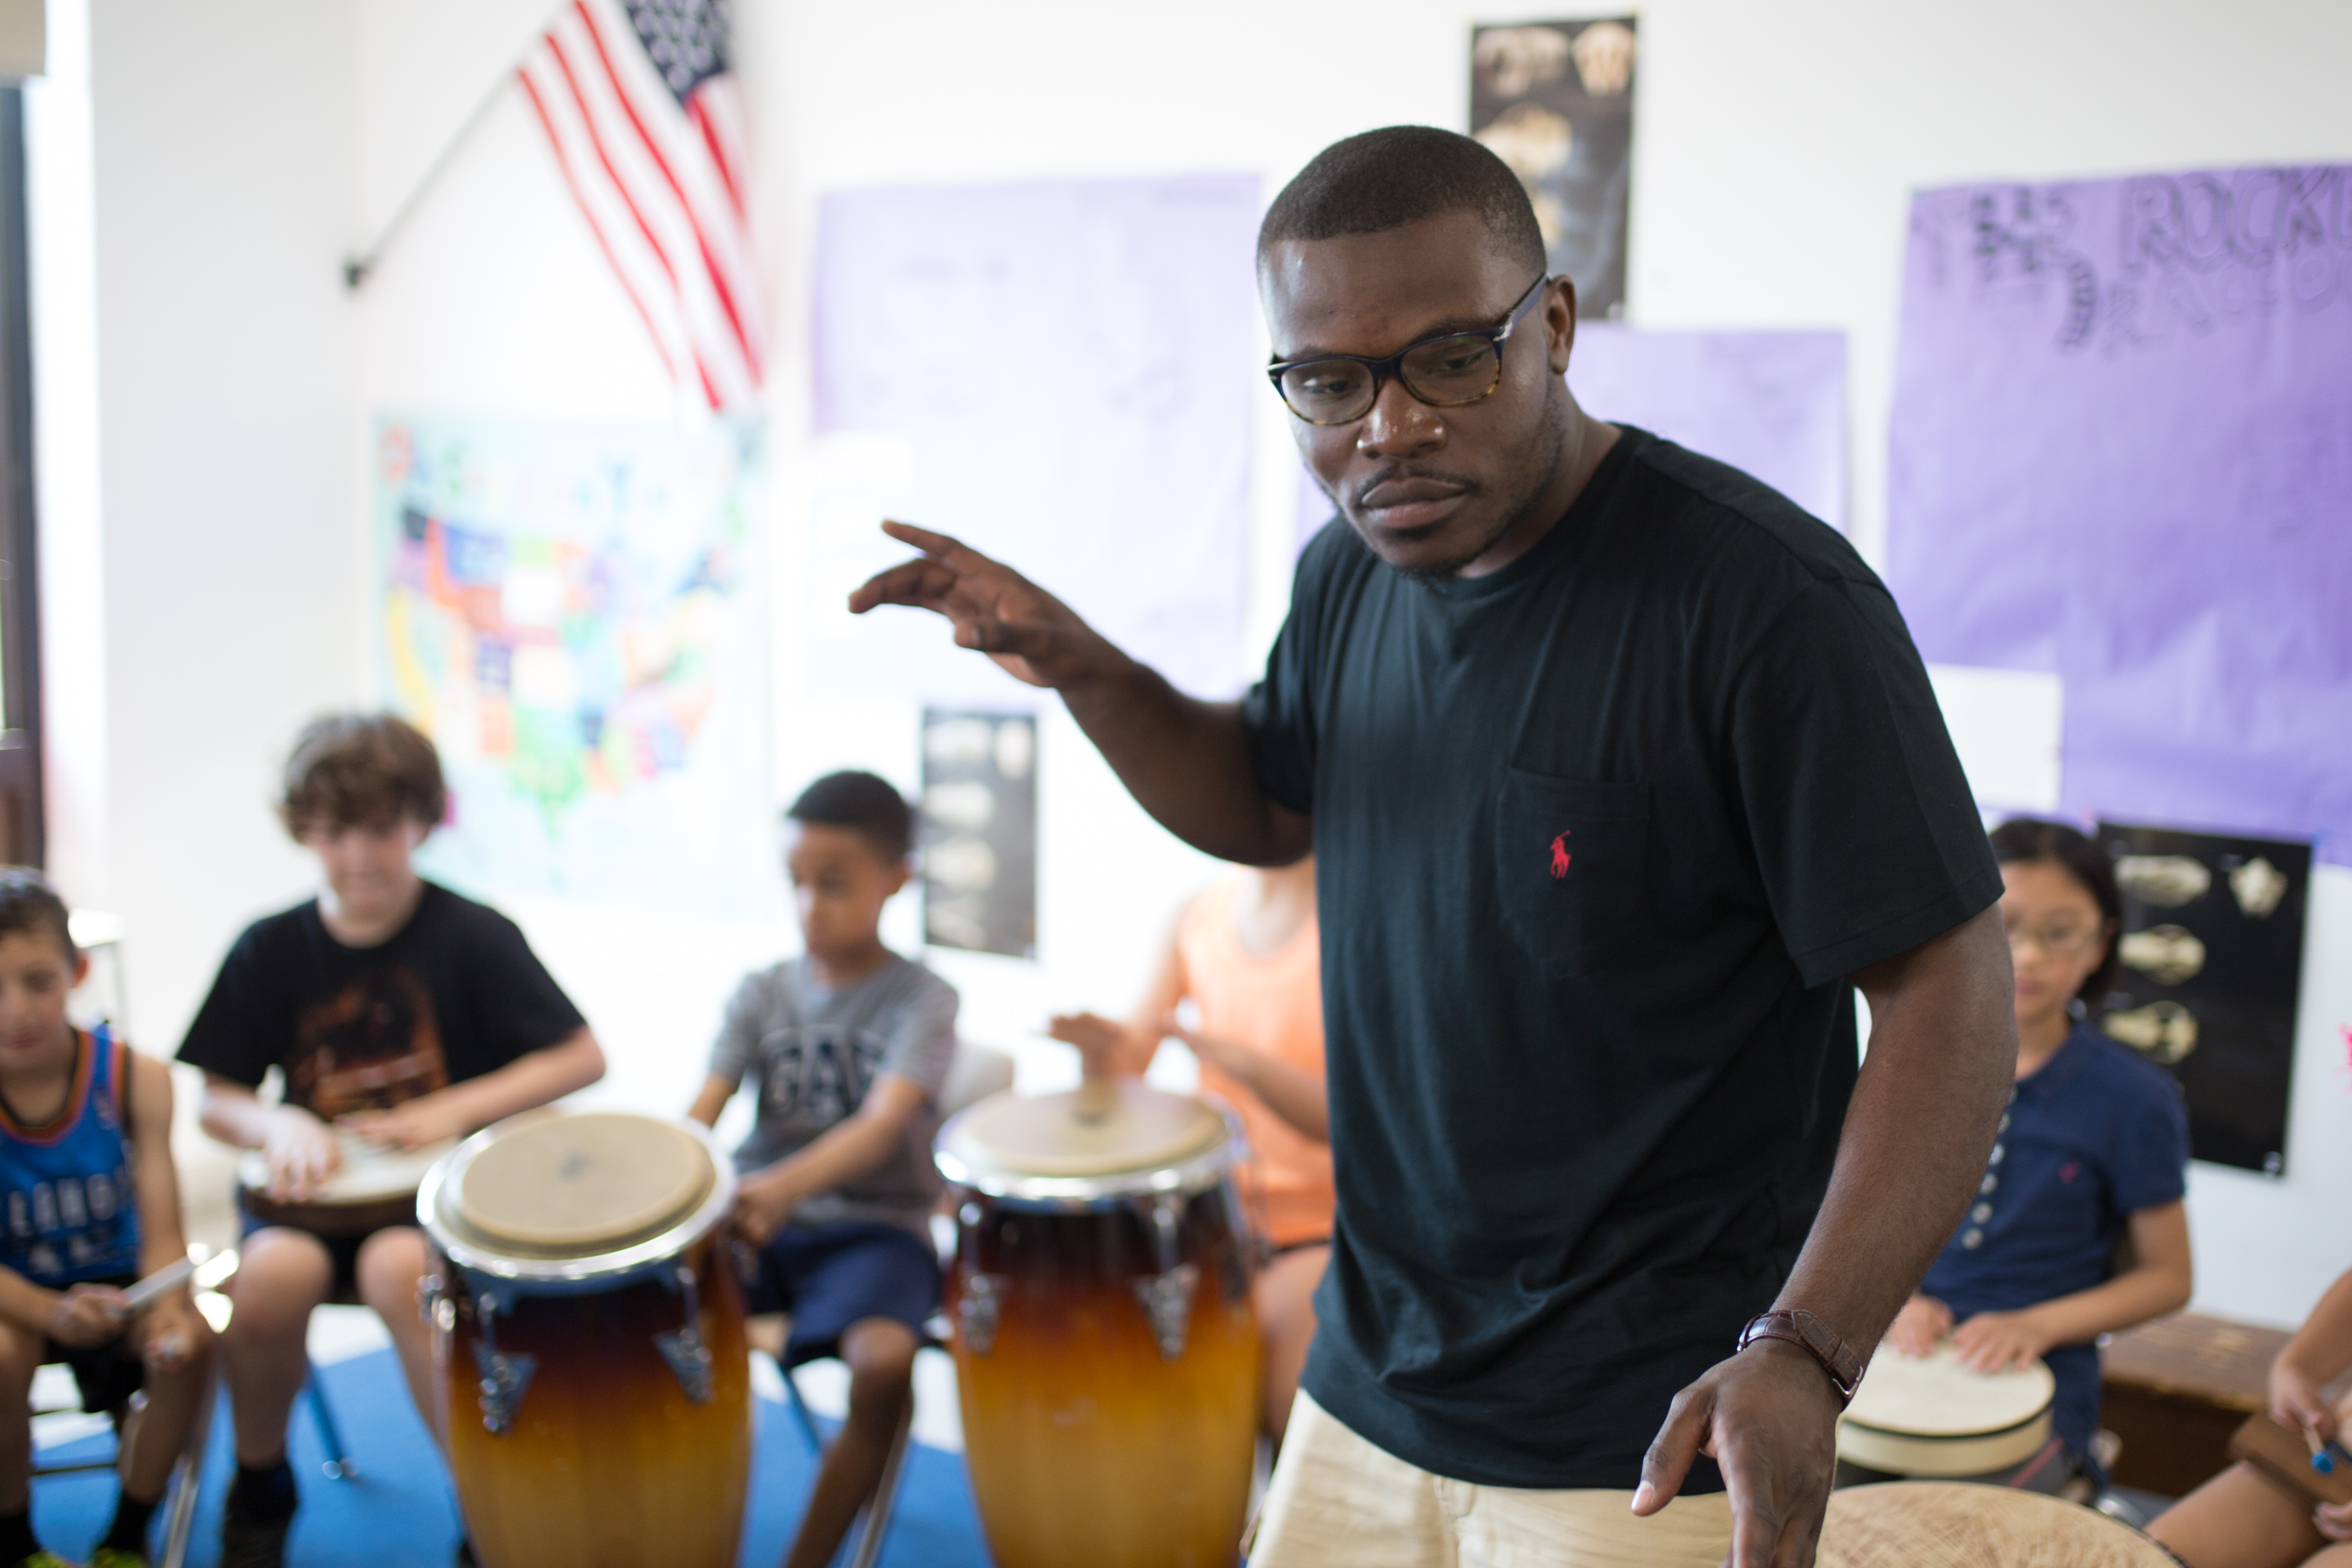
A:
x: 1572, y: 865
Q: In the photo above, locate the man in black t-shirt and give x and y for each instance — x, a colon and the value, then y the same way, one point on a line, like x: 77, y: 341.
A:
x: 399, y: 1015
x: 1621, y: 773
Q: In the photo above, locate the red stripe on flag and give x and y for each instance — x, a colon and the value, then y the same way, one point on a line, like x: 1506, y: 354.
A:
x: 710, y: 132
x: 653, y: 150
x: 588, y: 122
x: 546, y: 120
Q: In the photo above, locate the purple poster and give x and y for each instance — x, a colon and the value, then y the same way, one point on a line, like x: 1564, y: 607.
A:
x: 1065, y: 376
x: 2122, y: 454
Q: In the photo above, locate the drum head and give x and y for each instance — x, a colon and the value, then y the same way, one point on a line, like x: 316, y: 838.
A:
x: 1929, y: 1415
x: 1102, y: 1130
x: 582, y: 1181
x: 1931, y: 1524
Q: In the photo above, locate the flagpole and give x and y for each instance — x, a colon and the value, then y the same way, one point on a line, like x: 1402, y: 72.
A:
x: 356, y: 269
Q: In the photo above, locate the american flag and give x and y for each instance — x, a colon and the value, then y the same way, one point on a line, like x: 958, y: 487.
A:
x: 641, y: 108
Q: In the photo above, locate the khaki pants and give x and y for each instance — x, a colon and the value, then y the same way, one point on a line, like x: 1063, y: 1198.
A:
x: 1336, y: 1499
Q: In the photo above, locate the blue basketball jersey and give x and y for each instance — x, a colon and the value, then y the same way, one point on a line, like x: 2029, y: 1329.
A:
x: 71, y: 1213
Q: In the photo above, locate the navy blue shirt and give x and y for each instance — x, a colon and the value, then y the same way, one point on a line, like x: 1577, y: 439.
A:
x: 2092, y: 1137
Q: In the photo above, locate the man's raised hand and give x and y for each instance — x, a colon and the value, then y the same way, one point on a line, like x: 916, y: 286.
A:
x: 1031, y: 634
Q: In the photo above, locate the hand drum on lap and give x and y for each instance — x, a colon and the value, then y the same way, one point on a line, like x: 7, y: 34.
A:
x: 596, y: 1382
x: 1937, y: 1524
x: 373, y: 1187
x: 1104, y: 1344
x: 1930, y: 1416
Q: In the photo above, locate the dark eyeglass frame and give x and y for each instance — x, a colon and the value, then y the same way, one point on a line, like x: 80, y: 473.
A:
x: 1394, y: 366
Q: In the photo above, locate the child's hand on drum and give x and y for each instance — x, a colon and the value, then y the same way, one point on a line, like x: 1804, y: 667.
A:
x: 413, y: 1124
x: 763, y: 1203
x: 301, y: 1153
x: 1102, y: 1042
x: 88, y: 1315
x: 1922, y: 1323
x: 1997, y: 1342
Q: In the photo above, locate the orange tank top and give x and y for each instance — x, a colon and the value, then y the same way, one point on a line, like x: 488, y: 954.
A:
x: 1272, y: 1005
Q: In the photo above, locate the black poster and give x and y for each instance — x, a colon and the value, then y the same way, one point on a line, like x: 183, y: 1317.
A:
x: 2212, y: 966
x: 978, y: 832
x: 1555, y: 102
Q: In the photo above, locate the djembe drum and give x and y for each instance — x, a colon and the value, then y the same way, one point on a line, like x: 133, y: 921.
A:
x: 1949, y: 1524
x: 1929, y: 1415
x: 1104, y: 1344
x: 373, y: 1187
x: 588, y: 1333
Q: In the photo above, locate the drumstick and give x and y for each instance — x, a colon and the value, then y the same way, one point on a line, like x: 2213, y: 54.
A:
x: 137, y: 1298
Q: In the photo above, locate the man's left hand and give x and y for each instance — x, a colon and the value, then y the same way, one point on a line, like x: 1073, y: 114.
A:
x: 1768, y: 1417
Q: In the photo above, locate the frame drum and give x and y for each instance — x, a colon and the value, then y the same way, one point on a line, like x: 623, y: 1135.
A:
x: 1929, y: 1415
x: 1105, y: 1349
x: 1946, y: 1524
x: 373, y: 1187
x: 588, y: 1341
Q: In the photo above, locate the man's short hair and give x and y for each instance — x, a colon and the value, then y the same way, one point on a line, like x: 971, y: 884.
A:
x: 1385, y: 179
x: 362, y: 770
x: 864, y: 804
x: 29, y: 905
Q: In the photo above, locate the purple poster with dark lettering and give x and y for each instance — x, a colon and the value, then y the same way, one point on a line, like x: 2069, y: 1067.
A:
x: 2122, y: 454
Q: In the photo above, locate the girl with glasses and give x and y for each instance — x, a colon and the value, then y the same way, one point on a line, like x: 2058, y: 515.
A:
x: 2092, y: 1153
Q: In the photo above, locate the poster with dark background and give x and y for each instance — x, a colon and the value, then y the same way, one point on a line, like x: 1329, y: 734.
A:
x: 977, y: 829
x: 2212, y: 966
x: 1555, y: 102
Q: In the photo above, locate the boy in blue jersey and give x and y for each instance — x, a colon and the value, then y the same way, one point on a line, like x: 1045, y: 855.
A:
x: 91, y: 1203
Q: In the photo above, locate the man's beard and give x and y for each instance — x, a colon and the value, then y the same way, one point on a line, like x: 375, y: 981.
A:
x: 1519, y: 509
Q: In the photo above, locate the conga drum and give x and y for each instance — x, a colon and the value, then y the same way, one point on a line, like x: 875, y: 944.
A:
x: 373, y: 1187
x: 588, y: 1340
x: 1105, y: 1349
x: 1947, y: 1524
x: 1929, y: 1415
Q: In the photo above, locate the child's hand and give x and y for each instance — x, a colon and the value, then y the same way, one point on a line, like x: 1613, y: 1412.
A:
x: 2295, y: 1400
x: 2333, y: 1520
x: 763, y: 1203
x: 174, y: 1330
x: 1996, y: 1341
x: 88, y: 1315
x: 412, y: 1125
x: 1919, y: 1325
x: 1099, y: 1040
x: 301, y: 1153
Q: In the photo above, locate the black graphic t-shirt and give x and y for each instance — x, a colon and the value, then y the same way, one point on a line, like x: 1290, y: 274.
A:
x: 1600, y: 837
x: 455, y: 993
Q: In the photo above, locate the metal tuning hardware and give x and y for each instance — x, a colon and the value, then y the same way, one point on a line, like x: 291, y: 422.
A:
x: 979, y: 1306
x: 689, y: 1358
x: 505, y: 1375
x: 1167, y: 1296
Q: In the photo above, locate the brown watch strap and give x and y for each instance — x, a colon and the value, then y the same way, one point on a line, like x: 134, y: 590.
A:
x: 1816, y: 1339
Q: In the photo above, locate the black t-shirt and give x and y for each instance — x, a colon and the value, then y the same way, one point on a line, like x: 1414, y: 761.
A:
x: 1600, y: 837
x: 455, y: 993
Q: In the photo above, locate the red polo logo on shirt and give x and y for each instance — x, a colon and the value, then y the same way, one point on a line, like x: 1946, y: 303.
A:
x: 2069, y: 1171
x: 1559, y: 856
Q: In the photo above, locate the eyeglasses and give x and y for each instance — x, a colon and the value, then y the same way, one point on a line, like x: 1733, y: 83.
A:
x: 2061, y: 939
x: 1444, y: 372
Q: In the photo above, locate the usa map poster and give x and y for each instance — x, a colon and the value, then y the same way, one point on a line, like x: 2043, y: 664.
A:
x: 575, y: 614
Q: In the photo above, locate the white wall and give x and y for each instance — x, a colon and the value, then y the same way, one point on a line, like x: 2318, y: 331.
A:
x: 238, y: 156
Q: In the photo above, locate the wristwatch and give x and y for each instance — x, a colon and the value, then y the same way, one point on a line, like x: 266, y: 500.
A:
x: 1817, y: 1340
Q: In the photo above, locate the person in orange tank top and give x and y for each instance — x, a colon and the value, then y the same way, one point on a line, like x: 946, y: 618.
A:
x: 1246, y: 954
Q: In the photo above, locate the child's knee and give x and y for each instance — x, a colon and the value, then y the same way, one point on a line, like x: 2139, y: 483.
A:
x: 281, y: 1275
x: 880, y: 1355
x: 388, y: 1270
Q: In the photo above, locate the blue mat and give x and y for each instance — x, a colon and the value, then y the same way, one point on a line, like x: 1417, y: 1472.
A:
x: 399, y: 1511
